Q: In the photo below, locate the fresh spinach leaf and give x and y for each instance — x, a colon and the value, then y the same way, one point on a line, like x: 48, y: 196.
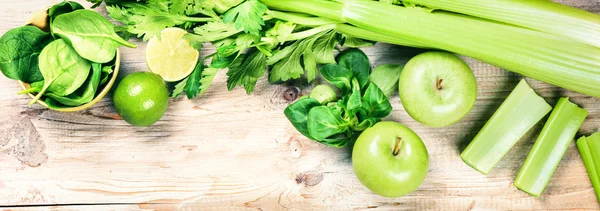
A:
x: 376, y: 103
x: 85, y: 93
x: 324, y: 122
x: 19, y: 51
x: 34, y: 87
x: 297, y: 114
x: 358, y: 62
x: 54, y: 104
x: 63, y: 8
x: 105, y: 75
x: 92, y: 36
x: 63, y: 69
x: 339, y: 76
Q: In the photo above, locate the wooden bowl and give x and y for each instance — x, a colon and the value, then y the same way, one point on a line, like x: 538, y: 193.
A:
x: 40, y: 20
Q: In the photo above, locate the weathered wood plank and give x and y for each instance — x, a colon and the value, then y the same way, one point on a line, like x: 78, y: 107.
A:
x: 229, y: 150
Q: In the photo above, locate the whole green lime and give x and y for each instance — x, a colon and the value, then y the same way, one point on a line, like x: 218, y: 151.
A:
x: 141, y: 98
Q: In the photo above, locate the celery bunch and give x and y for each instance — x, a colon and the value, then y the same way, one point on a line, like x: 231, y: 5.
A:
x: 530, y: 50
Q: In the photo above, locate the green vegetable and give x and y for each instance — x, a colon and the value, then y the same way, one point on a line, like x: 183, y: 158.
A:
x: 90, y: 34
x: 246, y: 70
x: 558, y: 19
x: 337, y: 123
x: 518, y: 114
x: 85, y: 93
x: 193, y: 81
x: 356, y: 61
x: 105, y: 74
x: 325, y: 122
x: 589, y: 147
x: 323, y: 93
x: 339, y: 76
x: 550, y: 146
x: 63, y: 8
x: 247, y: 16
x: 553, y: 59
x: 297, y: 114
x: 19, y: 51
x: 63, y: 69
x: 386, y: 78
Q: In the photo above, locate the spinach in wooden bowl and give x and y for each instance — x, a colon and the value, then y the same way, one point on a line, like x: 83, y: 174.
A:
x: 65, y: 58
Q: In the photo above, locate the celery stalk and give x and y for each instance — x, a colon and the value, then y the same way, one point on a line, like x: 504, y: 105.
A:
x: 542, y: 56
x: 589, y: 147
x: 546, y: 16
x: 550, y: 146
x: 518, y: 114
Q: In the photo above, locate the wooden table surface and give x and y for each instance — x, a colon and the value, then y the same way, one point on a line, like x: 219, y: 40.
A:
x: 229, y: 150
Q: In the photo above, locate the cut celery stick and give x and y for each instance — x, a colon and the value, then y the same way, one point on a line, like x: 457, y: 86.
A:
x: 589, y: 147
x: 550, y: 146
x: 518, y: 114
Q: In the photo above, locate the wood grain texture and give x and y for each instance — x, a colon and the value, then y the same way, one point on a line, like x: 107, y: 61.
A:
x: 232, y: 151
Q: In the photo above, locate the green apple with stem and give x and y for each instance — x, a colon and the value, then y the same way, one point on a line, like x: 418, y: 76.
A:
x: 437, y: 88
x: 390, y: 159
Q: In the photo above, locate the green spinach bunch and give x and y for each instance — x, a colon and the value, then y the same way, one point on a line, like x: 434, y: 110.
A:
x: 67, y: 65
x: 361, y: 105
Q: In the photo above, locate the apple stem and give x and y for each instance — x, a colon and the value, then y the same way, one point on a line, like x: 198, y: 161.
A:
x: 398, y: 146
x: 439, y: 84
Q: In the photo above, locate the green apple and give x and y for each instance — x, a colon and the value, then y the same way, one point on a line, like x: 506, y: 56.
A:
x: 390, y: 159
x: 437, y: 88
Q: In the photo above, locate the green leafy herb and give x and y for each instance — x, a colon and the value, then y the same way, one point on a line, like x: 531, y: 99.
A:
x: 192, y: 87
x: 297, y: 113
x: 246, y: 70
x: 356, y: 60
x: 85, y: 93
x: 64, y: 71
x: 90, y: 34
x: 19, y: 51
x: 325, y: 122
x: 338, y: 75
x: 376, y: 103
x: 247, y: 16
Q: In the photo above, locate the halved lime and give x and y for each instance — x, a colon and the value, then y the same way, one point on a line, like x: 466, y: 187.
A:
x: 171, y: 56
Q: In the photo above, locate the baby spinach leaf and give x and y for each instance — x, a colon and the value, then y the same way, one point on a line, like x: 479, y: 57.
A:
x: 376, y: 103
x: 54, y: 104
x: 105, y: 75
x: 297, y: 114
x: 91, y: 35
x: 339, y: 76
x: 63, y: 69
x: 33, y: 87
x: 19, y: 51
x: 356, y: 60
x: 85, y: 93
x: 324, y: 122
x: 63, y: 8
